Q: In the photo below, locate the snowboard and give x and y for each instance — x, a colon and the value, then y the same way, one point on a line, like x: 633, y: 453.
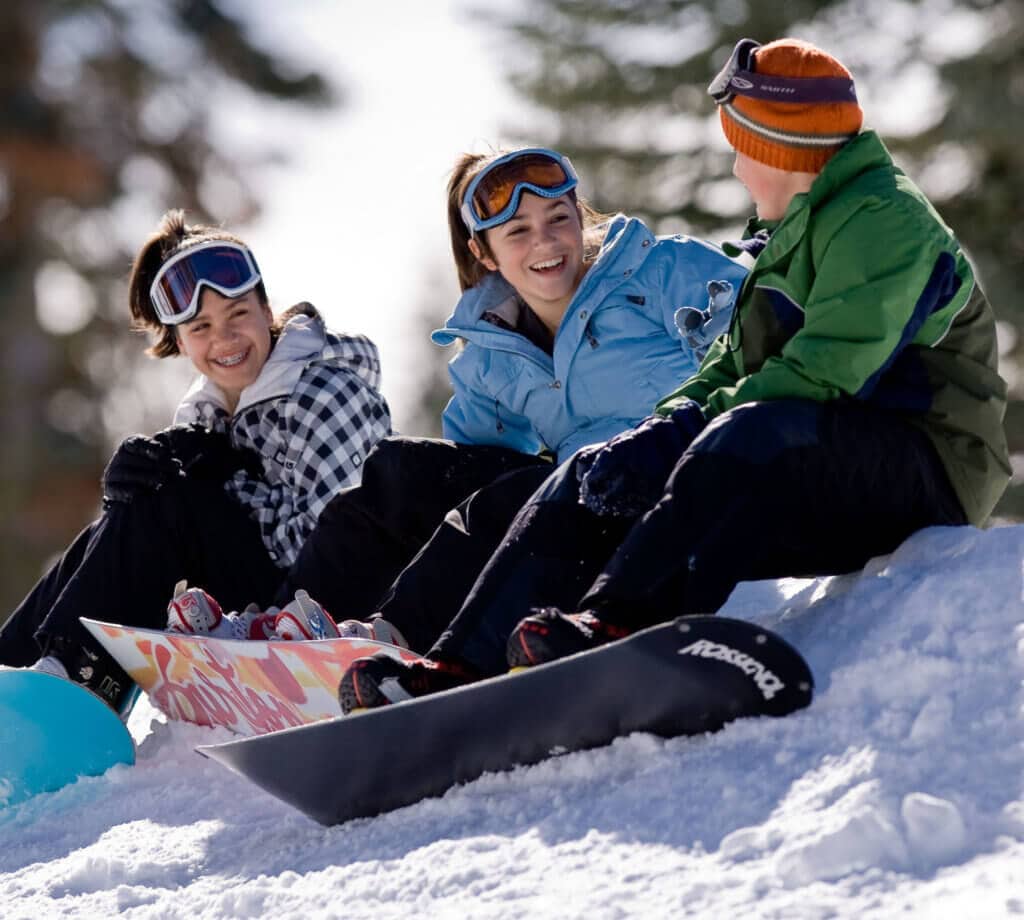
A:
x: 248, y: 686
x: 682, y: 678
x: 52, y: 732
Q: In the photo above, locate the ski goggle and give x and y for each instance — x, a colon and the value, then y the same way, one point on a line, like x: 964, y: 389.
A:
x: 493, y: 195
x: 738, y: 78
x: 229, y: 268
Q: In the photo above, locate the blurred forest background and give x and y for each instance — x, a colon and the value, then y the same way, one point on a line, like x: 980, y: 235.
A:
x: 107, y: 110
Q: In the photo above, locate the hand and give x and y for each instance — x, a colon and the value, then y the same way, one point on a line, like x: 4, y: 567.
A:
x: 207, y: 454
x: 627, y: 476
x: 701, y: 327
x: 139, y: 464
x: 586, y: 456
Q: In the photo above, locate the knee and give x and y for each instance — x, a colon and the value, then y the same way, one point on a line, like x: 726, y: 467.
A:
x: 386, y: 454
x: 391, y: 464
x: 759, y: 432
x: 561, y: 486
x: 385, y: 470
x: 160, y: 507
x: 502, y: 499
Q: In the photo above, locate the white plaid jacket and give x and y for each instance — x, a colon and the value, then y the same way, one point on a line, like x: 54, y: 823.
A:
x: 312, y: 415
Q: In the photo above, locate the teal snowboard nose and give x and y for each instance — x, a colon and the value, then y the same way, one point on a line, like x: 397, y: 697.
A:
x: 52, y: 732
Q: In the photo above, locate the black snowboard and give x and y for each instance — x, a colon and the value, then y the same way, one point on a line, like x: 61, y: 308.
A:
x: 681, y: 678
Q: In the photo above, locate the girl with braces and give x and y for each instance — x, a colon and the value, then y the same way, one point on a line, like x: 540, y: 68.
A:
x: 281, y: 417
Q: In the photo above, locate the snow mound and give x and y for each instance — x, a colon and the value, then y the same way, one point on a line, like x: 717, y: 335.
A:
x: 899, y: 790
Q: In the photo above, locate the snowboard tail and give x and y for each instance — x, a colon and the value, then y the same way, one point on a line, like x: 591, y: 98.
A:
x: 52, y: 732
x: 248, y: 686
x: 682, y: 678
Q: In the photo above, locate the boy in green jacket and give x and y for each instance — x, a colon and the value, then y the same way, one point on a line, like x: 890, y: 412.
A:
x: 854, y: 400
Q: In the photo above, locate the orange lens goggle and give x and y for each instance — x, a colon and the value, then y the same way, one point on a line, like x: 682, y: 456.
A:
x: 493, y: 195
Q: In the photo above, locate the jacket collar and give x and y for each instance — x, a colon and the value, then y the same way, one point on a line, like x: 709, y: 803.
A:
x: 865, y: 152
x: 302, y: 338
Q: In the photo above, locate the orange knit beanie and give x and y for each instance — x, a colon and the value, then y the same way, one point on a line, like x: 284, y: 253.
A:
x: 794, y: 136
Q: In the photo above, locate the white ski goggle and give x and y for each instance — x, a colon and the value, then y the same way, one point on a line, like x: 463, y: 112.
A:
x: 229, y: 268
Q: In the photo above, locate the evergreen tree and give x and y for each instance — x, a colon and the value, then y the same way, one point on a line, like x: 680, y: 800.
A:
x: 107, y: 115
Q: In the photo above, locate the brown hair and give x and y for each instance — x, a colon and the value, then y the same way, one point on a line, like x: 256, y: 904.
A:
x: 171, y: 236
x: 469, y: 269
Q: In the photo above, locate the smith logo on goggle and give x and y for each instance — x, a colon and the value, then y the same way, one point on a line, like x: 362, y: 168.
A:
x: 766, y: 681
x: 765, y: 87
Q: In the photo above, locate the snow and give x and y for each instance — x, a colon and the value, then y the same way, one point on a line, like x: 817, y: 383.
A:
x: 897, y: 793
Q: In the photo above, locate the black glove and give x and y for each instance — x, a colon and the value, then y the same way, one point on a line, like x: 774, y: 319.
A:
x: 627, y: 476
x: 139, y: 464
x: 207, y: 454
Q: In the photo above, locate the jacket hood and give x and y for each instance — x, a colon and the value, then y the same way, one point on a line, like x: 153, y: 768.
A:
x: 303, y: 340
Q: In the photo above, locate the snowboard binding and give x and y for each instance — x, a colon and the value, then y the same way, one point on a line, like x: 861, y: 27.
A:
x: 96, y: 671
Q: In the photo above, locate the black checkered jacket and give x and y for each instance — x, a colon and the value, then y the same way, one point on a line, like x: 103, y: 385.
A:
x: 313, y: 414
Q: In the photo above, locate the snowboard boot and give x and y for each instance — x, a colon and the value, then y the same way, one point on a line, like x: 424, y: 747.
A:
x: 192, y: 611
x: 380, y: 680
x: 51, y: 664
x: 304, y: 618
x: 547, y: 634
x: 376, y: 629
x: 94, y: 670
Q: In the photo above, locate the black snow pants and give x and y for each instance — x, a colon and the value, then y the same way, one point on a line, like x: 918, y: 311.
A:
x: 769, y: 490
x: 430, y: 507
x: 122, y: 568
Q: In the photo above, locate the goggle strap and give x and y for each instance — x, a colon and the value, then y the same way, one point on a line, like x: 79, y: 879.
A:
x: 792, y: 89
x: 467, y: 217
x: 739, y: 78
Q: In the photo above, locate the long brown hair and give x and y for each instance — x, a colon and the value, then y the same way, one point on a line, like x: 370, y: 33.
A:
x: 469, y: 269
x: 171, y: 236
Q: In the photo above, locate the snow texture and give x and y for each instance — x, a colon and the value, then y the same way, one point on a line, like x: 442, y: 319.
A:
x: 897, y: 793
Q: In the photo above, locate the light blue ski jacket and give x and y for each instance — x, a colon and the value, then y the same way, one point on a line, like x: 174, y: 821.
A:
x: 616, y: 353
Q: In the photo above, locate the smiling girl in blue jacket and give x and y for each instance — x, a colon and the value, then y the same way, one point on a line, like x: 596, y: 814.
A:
x: 567, y: 323
x: 564, y: 347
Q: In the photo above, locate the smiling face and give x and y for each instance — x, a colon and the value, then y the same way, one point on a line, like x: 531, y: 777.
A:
x: 228, y: 340
x: 539, y: 251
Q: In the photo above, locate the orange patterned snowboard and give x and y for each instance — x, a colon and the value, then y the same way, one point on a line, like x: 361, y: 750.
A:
x: 249, y: 686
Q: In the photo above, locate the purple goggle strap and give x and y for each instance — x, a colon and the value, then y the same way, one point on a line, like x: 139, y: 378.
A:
x: 792, y: 89
x: 738, y: 78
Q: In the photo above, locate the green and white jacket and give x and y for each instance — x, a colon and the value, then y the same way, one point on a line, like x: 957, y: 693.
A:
x: 862, y: 292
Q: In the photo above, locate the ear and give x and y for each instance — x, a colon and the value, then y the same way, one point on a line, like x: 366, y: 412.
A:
x: 486, y: 261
